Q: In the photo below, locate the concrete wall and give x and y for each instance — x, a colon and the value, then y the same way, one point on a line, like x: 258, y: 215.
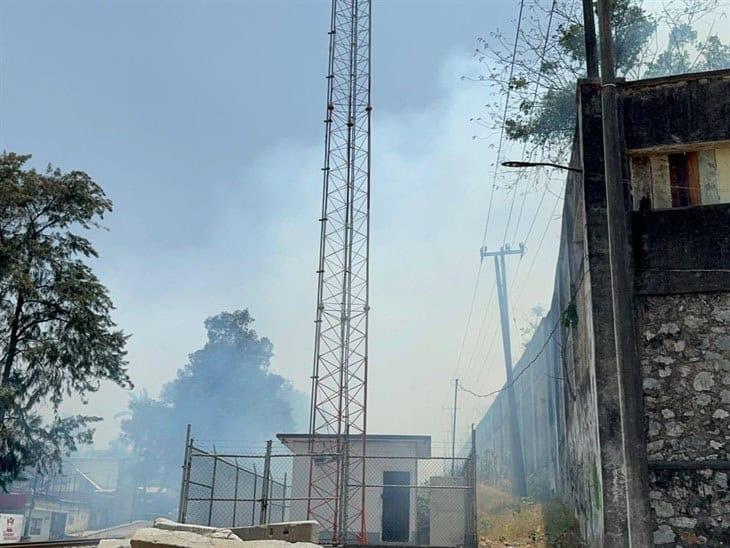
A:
x: 579, y: 432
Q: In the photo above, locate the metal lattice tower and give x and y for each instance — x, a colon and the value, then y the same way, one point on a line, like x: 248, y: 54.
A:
x: 339, y: 378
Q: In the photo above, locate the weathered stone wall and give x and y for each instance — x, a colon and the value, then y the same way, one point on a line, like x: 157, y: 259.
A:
x: 579, y: 430
x: 685, y: 361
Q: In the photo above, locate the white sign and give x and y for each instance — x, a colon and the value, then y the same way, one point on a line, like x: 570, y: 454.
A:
x: 12, y: 527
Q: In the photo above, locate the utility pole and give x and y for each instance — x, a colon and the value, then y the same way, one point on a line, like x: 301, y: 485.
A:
x: 589, y: 28
x: 626, y: 346
x: 453, y: 428
x: 518, y: 463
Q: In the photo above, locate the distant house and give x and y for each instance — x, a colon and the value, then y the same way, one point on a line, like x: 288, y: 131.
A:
x: 92, y: 483
x: 91, y: 493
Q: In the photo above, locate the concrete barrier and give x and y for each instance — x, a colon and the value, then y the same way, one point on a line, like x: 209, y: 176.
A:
x: 292, y: 531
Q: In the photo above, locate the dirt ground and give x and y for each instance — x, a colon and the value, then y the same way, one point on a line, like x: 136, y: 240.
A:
x: 508, y: 522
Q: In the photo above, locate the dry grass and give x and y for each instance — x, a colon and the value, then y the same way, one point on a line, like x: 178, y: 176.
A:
x: 506, y: 521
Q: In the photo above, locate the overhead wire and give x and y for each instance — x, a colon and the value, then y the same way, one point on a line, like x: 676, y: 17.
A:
x: 534, y: 101
x: 477, y: 345
x: 553, y: 6
x: 539, y: 247
x: 468, y: 319
x: 504, y: 123
x: 539, y: 353
x: 494, y: 182
x: 497, y: 164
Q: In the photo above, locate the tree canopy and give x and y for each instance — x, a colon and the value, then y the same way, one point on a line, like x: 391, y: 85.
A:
x: 225, y: 391
x: 57, y: 338
x: 550, y: 57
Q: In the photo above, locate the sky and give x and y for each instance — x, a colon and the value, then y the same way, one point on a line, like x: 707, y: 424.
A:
x: 202, y: 120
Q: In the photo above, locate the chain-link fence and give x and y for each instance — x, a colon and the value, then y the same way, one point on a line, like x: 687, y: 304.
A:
x: 406, y: 499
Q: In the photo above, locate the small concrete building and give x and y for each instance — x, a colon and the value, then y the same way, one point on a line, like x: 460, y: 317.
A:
x: 391, y: 479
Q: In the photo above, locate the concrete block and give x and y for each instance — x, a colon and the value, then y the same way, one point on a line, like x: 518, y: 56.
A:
x: 162, y: 538
x: 292, y: 531
x: 213, y: 532
x: 277, y: 544
x: 114, y: 543
x: 447, y: 510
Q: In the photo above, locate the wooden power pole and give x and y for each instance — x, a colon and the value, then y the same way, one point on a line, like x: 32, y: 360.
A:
x: 519, y: 486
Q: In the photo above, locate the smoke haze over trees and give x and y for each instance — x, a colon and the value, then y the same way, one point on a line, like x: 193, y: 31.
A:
x: 225, y: 391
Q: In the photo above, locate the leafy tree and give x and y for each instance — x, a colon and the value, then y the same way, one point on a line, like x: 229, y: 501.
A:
x: 537, y: 313
x: 225, y: 391
x: 548, y: 62
x: 57, y: 338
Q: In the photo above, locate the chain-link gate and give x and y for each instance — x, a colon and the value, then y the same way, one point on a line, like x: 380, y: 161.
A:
x: 424, y: 501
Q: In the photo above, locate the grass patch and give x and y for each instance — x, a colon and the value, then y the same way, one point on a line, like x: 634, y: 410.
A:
x: 504, y: 519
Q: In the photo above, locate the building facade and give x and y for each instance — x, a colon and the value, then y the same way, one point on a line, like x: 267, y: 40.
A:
x: 638, y: 450
x: 390, y: 513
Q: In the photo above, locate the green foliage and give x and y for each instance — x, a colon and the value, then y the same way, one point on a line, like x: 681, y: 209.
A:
x: 569, y: 316
x: 225, y: 391
x: 646, y: 44
x: 537, y: 313
x: 57, y: 338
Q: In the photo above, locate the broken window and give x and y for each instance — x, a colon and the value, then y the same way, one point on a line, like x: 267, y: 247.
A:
x: 681, y: 179
x: 684, y: 179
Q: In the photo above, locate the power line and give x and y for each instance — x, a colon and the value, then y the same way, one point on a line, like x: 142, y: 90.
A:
x: 468, y: 318
x: 494, y: 183
x: 504, y: 119
x: 529, y: 233
x: 486, y: 356
x: 524, y: 148
x: 539, y: 247
x: 532, y: 114
x: 542, y: 348
x: 479, y: 332
x: 494, y: 177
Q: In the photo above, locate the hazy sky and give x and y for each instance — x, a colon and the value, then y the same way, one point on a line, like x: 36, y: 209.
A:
x: 202, y: 120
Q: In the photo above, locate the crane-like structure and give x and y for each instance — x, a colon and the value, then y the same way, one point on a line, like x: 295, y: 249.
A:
x: 338, y: 417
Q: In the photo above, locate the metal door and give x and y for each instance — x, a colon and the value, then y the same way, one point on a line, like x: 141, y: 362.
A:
x: 396, y: 507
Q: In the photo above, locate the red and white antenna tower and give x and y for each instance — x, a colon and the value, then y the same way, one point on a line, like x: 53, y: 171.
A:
x: 339, y: 378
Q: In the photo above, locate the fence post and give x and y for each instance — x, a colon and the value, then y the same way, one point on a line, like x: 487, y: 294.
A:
x: 253, y: 499
x: 474, y: 517
x: 212, y: 488
x: 185, y: 481
x: 235, y: 493
x: 283, y: 500
x: 265, y: 486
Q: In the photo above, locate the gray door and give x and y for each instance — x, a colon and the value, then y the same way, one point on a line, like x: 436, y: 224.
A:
x: 396, y: 506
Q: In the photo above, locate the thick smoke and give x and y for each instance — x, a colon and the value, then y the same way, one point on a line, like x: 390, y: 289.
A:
x: 225, y: 391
